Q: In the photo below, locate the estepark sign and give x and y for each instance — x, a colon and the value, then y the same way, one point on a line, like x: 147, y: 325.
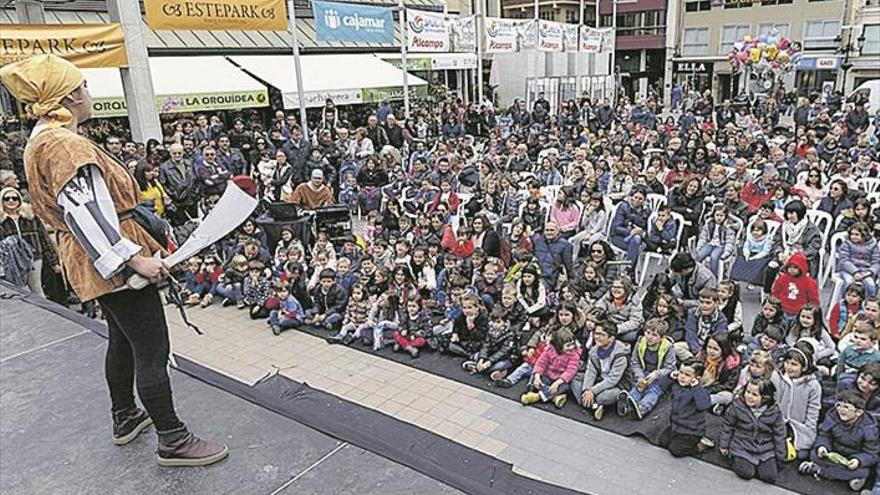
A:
x: 86, y: 45
x: 246, y: 15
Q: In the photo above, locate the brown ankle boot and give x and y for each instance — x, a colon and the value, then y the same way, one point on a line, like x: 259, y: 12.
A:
x: 179, y: 447
x: 128, y: 424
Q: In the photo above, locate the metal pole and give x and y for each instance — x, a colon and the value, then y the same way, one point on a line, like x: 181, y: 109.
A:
x: 137, y: 82
x: 614, y: 72
x: 480, y: 20
x: 297, y: 68
x: 597, y: 13
x: 536, y: 9
x: 403, y: 50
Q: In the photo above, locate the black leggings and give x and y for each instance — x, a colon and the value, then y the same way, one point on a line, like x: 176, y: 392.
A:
x: 139, y: 347
x: 766, y: 470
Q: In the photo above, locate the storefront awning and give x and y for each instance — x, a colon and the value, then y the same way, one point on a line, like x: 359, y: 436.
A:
x: 433, y: 61
x: 346, y: 78
x: 181, y: 84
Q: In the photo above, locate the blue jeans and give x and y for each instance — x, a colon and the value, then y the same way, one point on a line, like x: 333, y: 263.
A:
x: 713, y: 253
x: 285, y: 323
x: 649, y: 398
x: 331, y: 320
x: 523, y: 370
x: 868, y: 282
x: 632, y: 244
x: 546, y: 395
x: 229, y: 291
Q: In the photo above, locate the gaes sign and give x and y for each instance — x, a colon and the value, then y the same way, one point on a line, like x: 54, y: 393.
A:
x: 245, y: 15
x: 86, y: 45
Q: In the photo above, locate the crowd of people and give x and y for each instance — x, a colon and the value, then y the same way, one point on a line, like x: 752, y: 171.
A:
x: 515, y: 240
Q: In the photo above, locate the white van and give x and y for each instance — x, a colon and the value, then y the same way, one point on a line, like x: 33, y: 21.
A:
x: 872, y: 89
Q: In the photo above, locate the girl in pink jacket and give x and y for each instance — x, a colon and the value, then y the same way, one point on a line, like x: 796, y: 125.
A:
x: 554, y: 370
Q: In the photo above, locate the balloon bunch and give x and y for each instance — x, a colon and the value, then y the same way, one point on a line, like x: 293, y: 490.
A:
x: 770, y: 51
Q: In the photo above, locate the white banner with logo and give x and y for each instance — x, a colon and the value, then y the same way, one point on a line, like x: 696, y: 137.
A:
x: 528, y: 35
x: 571, y: 37
x: 463, y: 33
x: 501, y: 35
x: 426, y: 32
x: 550, y: 36
x: 596, y: 40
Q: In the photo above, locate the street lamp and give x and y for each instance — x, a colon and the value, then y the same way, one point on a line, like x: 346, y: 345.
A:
x: 849, y: 49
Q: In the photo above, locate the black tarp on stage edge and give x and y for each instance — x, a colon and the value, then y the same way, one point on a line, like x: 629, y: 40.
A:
x: 60, y: 452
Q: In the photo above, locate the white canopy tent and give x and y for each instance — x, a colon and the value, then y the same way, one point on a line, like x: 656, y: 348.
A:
x: 181, y: 84
x: 346, y: 78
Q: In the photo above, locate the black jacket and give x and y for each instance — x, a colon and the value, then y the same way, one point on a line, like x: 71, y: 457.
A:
x: 499, y: 345
x: 334, y: 301
x: 183, y: 188
x: 750, y: 437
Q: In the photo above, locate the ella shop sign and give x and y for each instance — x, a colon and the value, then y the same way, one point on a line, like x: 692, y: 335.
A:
x: 550, y: 36
x: 693, y: 67
x: 500, y: 35
x: 246, y: 15
x: 348, y: 23
x: 85, y: 45
x: 115, y: 107
x: 426, y: 32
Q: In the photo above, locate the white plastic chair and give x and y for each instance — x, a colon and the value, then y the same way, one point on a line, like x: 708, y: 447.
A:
x: 869, y: 184
x: 655, y: 201
x: 824, y: 221
x: 648, y: 256
x: 836, y: 241
x: 722, y: 264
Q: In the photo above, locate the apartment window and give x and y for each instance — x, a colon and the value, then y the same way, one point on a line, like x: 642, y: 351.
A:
x: 820, y: 34
x: 697, y: 5
x: 695, y: 41
x: 872, y: 38
x: 775, y: 2
x: 547, y: 15
x: 654, y: 22
x: 605, y: 20
x: 737, y: 4
x: 732, y: 34
x: 781, y: 27
x: 572, y: 17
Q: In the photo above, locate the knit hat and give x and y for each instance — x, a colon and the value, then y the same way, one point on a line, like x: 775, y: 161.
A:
x: 532, y: 269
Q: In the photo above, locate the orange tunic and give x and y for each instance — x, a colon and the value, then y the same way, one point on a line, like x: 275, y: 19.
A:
x: 52, y: 159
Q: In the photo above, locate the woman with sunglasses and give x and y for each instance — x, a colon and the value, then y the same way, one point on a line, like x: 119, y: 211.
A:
x: 86, y: 195
x: 17, y: 218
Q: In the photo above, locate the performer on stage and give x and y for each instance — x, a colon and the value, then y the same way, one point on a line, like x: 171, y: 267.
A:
x: 80, y: 190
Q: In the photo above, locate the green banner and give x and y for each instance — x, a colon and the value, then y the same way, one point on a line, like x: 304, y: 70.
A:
x: 115, y: 107
x: 376, y: 95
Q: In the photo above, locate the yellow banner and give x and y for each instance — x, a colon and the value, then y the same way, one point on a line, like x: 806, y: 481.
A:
x: 86, y: 45
x: 245, y: 15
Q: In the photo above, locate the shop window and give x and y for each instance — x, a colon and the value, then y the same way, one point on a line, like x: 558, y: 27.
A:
x: 695, y: 41
x: 737, y: 4
x: 820, y: 34
x: 781, y: 27
x: 697, y: 5
x: 872, y: 38
x: 732, y: 34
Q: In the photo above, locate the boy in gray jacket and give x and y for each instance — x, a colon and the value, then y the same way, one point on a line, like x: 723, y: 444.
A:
x: 607, y: 372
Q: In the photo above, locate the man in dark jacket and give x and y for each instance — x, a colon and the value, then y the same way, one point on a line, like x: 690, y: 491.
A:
x: 554, y: 255
x: 377, y: 134
x: 229, y: 157
x: 393, y: 131
x: 179, y: 179
x: 605, y: 115
x: 857, y: 120
x: 297, y: 149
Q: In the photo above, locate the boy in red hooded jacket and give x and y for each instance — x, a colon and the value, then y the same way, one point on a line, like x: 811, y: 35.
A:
x: 795, y: 287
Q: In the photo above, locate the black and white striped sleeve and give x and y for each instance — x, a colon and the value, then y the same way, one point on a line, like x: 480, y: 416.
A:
x: 91, y: 217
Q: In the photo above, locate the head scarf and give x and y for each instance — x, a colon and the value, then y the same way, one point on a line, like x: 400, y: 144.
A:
x: 41, y: 82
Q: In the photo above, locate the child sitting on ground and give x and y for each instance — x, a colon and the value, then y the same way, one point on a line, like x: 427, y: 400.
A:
x: 760, y: 367
x: 770, y: 314
x: 606, y: 373
x: 414, y: 329
x: 686, y: 433
x: 702, y: 322
x: 731, y: 307
x: 846, y: 447
x: 530, y: 353
x: 381, y: 323
x: 554, y: 371
x: 652, y: 358
x: 753, y: 433
x: 289, y: 313
x: 846, y: 309
x: 808, y: 324
x: 799, y: 396
x: 469, y: 328
x: 355, y: 317
x: 795, y: 287
x: 861, y: 351
x: 772, y: 340
x: 329, y: 302
x: 721, y: 369
x: 499, y: 346
x: 256, y: 291
x: 229, y: 287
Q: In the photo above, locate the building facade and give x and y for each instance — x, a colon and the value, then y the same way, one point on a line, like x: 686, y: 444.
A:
x: 558, y: 10
x: 709, y: 28
x: 860, y: 44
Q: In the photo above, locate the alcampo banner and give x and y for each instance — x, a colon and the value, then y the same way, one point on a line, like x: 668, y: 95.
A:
x: 245, y: 15
x: 115, y: 107
x: 86, y: 45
